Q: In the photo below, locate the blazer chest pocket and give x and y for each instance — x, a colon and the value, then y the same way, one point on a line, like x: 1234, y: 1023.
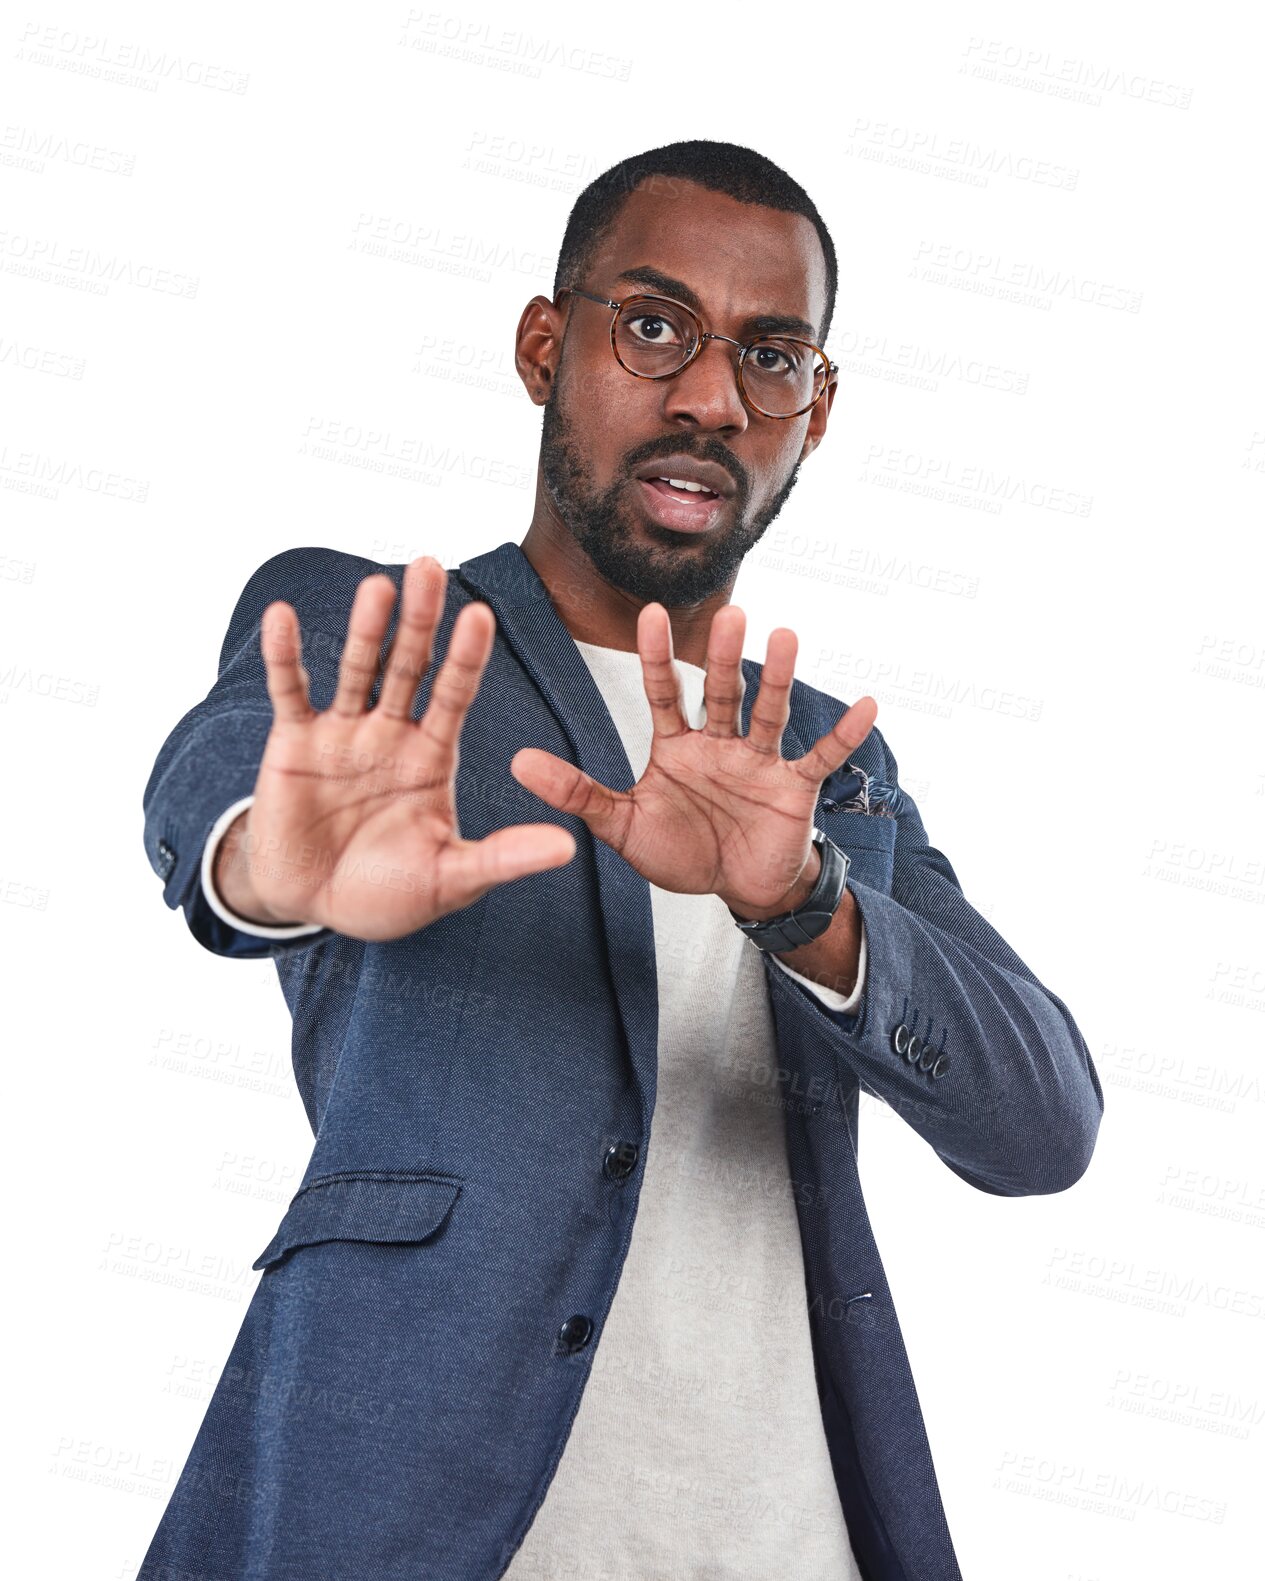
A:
x: 869, y: 840
x: 378, y: 1206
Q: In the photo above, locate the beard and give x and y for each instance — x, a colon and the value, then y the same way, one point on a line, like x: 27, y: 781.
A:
x: 652, y: 564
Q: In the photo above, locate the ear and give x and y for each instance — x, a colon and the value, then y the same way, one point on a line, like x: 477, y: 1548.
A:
x: 817, y: 418
x: 538, y: 346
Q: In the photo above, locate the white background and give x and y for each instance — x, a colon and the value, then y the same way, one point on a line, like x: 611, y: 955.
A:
x: 1049, y: 293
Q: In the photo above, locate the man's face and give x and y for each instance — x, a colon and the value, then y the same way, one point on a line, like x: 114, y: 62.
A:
x: 601, y: 425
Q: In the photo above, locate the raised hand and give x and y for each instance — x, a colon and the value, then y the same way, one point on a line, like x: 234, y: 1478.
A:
x: 715, y: 812
x: 354, y: 821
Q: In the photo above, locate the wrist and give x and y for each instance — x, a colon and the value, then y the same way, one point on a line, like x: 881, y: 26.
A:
x: 795, y: 897
x: 231, y: 875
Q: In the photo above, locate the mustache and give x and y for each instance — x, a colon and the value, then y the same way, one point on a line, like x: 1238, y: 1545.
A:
x: 711, y: 450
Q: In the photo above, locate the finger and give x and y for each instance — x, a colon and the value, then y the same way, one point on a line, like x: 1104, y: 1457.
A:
x: 366, y: 627
x: 658, y: 673
x: 724, y: 684
x: 474, y: 867
x: 568, y: 788
x: 469, y: 648
x: 772, y: 706
x: 282, y: 649
x: 421, y: 601
x: 834, y: 749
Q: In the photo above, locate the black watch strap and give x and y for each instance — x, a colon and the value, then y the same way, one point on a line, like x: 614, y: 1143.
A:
x: 794, y: 928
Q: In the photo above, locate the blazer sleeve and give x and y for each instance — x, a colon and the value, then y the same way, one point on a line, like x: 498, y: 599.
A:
x: 955, y: 1032
x: 211, y: 758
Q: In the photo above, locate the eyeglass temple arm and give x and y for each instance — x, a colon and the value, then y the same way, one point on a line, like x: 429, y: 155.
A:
x: 575, y: 290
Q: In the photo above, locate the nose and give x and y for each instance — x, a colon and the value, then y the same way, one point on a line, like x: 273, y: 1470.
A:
x: 705, y: 392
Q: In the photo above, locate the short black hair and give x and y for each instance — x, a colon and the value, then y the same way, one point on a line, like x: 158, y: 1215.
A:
x: 738, y: 172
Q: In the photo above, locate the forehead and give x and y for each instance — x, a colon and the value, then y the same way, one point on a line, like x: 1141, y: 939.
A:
x: 740, y: 258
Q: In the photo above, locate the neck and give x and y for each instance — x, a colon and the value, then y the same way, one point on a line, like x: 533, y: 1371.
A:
x: 594, y: 611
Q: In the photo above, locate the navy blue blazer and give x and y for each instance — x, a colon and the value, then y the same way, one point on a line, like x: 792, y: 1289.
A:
x: 405, y: 1377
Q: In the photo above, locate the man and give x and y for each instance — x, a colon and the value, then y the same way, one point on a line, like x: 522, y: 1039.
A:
x: 594, y: 870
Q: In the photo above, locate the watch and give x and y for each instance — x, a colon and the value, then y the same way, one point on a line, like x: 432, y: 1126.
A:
x: 794, y: 928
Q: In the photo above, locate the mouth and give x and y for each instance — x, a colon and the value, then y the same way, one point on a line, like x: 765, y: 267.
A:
x: 681, y: 510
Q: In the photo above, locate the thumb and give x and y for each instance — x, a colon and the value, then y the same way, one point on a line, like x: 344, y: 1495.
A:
x: 568, y: 788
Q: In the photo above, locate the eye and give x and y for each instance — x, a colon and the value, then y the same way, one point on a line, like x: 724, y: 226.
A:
x: 655, y: 329
x: 651, y: 328
x: 778, y: 358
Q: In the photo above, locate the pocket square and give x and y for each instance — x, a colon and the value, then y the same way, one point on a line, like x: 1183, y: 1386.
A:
x: 858, y: 791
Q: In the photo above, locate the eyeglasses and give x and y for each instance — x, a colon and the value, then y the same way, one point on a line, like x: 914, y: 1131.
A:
x: 654, y: 337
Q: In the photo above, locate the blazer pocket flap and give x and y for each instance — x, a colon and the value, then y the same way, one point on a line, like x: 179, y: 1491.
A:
x: 368, y: 1207
x: 870, y: 841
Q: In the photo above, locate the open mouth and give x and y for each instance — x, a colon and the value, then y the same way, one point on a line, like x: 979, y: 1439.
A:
x: 684, y: 507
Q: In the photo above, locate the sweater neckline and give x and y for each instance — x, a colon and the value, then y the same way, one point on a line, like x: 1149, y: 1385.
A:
x: 624, y: 654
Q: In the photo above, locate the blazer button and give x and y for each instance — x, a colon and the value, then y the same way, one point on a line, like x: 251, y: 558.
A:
x: 900, y: 1038
x: 620, y: 1160
x: 940, y: 1066
x: 927, y: 1058
x: 575, y: 1333
x: 166, y: 858
x: 914, y: 1049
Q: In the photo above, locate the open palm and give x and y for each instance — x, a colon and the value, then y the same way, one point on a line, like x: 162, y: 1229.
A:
x: 354, y: 819
x: 715, y: 812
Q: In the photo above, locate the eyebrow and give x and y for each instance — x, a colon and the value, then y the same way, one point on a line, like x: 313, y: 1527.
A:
x: 755, y: 324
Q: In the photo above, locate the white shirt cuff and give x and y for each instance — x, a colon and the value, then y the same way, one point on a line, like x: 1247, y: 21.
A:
x: 218, y: 831
x: 830, y: 997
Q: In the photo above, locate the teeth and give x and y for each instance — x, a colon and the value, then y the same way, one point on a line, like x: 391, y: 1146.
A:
x: 684, y: 483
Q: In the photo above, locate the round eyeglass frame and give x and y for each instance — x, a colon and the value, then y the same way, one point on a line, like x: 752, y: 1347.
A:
x: 703, y: 337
